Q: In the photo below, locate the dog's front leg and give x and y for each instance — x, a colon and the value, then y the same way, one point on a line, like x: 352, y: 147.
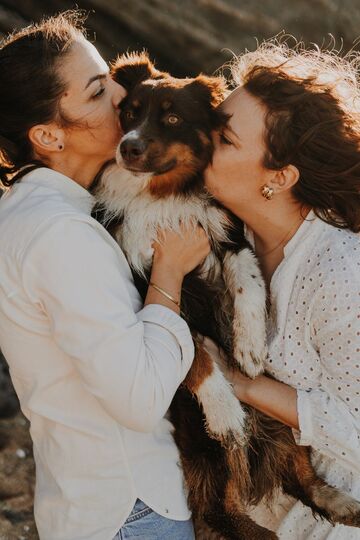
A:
x: 225, y: 419
x: 244, y: 281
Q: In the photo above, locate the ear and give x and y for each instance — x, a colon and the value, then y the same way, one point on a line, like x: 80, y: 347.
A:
x: 132, y: 68
x: 211, y: 89
x: 46, y: 138
x: 284, y: 179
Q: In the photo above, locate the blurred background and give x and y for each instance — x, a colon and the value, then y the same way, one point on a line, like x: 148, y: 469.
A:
x: 184, y: 37
x: 188, y: 36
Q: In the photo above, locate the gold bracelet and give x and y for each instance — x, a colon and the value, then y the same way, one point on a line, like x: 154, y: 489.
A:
x: 164, y: 293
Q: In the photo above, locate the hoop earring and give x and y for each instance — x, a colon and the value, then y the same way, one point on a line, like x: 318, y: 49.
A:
x: 267, y: 192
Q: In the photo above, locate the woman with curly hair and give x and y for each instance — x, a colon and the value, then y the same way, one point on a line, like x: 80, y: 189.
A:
x: 288, y: 165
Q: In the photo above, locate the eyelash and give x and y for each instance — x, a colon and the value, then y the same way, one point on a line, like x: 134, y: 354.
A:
x: 99, y: 92
x: 224, y: 140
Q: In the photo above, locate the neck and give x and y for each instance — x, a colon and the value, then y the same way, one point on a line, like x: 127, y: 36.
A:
x: 83, y: 173
x: 273, y: 222
x: 273, y: 233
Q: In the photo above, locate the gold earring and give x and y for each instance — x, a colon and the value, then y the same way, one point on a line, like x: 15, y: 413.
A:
x: 267, y: 192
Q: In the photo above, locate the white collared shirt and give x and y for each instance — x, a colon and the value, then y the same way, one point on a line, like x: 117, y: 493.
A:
x: 94, y: 371
x: 314, y: 346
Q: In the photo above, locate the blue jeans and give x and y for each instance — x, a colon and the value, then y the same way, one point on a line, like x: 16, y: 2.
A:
x: 145, y: 524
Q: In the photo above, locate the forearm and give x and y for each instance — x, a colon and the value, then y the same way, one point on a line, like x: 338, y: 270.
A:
x: 274, y: 398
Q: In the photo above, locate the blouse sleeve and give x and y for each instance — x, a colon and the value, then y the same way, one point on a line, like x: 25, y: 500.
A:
x: 131, y: 362
x: 329, y: 418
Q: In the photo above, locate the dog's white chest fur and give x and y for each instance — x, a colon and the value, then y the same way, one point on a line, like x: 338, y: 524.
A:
x: 124, y: 194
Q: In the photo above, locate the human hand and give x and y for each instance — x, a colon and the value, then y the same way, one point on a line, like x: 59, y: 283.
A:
x: 179, y: 253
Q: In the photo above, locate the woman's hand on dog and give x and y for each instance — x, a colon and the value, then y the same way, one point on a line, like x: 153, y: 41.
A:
x: 181, y: 252
x: 175, y: 255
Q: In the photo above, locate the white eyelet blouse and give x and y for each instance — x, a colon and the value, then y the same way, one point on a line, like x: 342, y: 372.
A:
x: 314, y: 346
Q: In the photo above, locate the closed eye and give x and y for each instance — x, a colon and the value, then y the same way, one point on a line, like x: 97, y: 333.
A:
x: 98, y: 93
x: 223, y: 139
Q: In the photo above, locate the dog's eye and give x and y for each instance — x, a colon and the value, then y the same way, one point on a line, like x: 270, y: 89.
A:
x: 129, y: 115
x: 173, y: 119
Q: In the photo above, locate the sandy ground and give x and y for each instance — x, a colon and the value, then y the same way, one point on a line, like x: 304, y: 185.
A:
x: 16, y: 480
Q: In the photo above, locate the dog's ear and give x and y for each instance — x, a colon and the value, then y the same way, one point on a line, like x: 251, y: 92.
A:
x: 211, y: 89
x: 132, y: 68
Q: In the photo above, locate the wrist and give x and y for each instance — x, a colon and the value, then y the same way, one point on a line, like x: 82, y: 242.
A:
x: 166, y: 294
x: 241, y: 388
x: 165, y: 269
x: 246, y: 389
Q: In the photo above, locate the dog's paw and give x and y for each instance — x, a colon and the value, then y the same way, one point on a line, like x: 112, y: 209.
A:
x: 225, y: 419
x: 250, y: 360
x: 231, y: 440
x: 250, y: 349
x: 337, y: 506
x: 231, y: 435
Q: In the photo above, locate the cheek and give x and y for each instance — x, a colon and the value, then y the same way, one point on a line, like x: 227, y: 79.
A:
x: 216, y: 173
x: 216, y: 169
x: 226, y: 167
x: 105, y: 125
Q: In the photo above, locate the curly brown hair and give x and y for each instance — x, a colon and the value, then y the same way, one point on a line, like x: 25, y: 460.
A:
x: 312, y: 99
x: 31, y: 87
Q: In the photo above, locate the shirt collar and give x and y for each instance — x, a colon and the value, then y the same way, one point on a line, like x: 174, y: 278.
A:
x: 303, y: 231
x: 53, y: 180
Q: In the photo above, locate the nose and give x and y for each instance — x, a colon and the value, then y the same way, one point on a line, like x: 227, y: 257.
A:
x: 132, y: 149
x: 119, y: 93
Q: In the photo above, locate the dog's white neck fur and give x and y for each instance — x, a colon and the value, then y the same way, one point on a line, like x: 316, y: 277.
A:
x: 123, y: 193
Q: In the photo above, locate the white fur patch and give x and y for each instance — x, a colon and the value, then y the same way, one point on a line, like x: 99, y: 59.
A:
x: 124, y: 193
x: 225, y: 417
x: 243, y: 278
x: 340, y: 506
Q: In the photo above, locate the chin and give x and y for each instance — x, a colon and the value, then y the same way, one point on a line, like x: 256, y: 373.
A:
x: 209, y: 183
x: 212, y: 187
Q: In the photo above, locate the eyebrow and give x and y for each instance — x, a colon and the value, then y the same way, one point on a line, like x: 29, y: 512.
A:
x: 95, y: 78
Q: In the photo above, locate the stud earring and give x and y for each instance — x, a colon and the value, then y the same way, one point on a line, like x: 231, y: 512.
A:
x: 267, y: 192
x: 60, y: 147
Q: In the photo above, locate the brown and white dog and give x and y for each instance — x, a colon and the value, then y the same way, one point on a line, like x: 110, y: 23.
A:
x: 232, y: 455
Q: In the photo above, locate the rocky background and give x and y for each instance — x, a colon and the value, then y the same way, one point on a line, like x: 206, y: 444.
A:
x: 185, y: 37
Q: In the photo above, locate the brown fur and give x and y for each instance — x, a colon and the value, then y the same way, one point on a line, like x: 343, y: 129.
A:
x: 172, y: 181
x: 201, y: 368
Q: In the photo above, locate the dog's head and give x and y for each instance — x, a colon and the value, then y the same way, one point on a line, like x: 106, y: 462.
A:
x: 167, y: 124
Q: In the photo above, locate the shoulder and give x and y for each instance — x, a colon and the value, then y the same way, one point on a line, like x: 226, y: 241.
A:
x: 333, y: 276
x: 335, y: 254
x: 45, y: 218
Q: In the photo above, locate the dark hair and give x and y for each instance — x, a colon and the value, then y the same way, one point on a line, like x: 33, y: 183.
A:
x: 312, y: 99
x: 30, y: 87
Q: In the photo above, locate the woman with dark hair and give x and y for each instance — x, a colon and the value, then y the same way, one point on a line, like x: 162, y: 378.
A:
x: 94, y: 370
x: 288, y: 165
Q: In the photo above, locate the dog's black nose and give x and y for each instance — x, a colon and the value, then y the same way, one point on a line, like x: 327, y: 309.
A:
x: 132, y: 149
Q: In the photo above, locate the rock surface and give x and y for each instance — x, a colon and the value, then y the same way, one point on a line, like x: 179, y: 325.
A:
x: 16, y: 480
x: 187, y: 36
